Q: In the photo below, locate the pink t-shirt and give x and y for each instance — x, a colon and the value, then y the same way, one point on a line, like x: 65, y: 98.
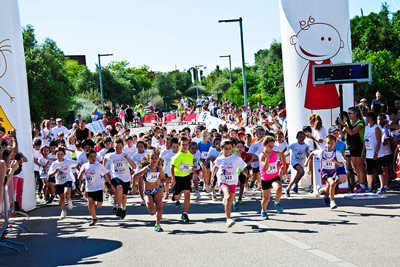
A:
x: 272, y: 171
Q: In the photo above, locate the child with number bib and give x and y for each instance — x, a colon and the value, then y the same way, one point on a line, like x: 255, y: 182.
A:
x: 330, y: 157
x: 154, y: 179
x: 226, y: 168
x: 270, y: 175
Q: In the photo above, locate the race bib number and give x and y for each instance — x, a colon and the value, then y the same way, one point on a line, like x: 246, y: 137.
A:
x: 119, y: 166
x: 328, y: 165
x: 204, y: 155
x: 184, y: 167
x: 153, y: 177
x: 299, y: 155
x: 62, y: 176
x: 273, y: 168
x: 368, y: 143
x: 89, y: 179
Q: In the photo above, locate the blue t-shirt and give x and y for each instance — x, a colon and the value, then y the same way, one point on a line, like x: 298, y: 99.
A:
x: 340, y: 146
x: 203, y: 149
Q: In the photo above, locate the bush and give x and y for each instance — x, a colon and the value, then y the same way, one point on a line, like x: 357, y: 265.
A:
x: 84, y: 107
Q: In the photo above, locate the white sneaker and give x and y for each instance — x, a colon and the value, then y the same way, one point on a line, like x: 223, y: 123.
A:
x: 309, y: 188
x: 333, y: 205
x: 198, y: 196
x: 230, y: 223
x: 63, y: 214
x: 208, y: 188
x: 70, y: 206
x: 245, y: 190
x: 224, y: 201
x: 111, y: 199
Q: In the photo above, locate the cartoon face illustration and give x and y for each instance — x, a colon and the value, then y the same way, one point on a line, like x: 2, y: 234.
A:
x: 317, y: 41
x: 4, y: 47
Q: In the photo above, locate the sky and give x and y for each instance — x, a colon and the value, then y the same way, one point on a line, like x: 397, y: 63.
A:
x: 163, y: 34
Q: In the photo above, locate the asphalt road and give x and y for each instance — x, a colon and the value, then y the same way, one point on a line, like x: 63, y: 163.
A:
x: 358, y: 233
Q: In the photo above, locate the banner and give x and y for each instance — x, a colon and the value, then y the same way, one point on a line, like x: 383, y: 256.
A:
x: 14, y: 92
x: 313, y: 32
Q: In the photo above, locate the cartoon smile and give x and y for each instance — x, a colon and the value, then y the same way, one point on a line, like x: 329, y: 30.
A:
x: 308, y: 54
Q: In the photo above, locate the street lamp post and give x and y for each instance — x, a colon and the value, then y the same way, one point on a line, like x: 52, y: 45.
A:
x: 230, y: 67
x: 243, y: 62
x: 197, y: 79
x: 101, y: 81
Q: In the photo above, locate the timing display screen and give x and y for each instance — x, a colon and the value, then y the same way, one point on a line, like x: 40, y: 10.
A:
x: 342, y: 73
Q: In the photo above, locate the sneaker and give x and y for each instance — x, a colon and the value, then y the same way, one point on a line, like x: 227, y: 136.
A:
x: 327, y: 201
x: 40, y: 196
x: 115, y: 207
x: 318, y: 193
x: 230, y: 223
x: 177, y: 204
x: 287, y: 192
x: 264, y: 215
x: 235, y: 206
x: 359, y: 190
x: 333, y: 205
x: 51, y: 198
x: 111, y: 199
x: 63, y: 214
x: 185, y: 218
x: 309, y: 188
x: 123, y: 214
x: 119, y: 212
x: 70, y: 206
x: 197, y: 193
x: 173, y: 198
x: 93, y: 221
x: 295, y: 188
x: 158, y: 228
x: 214, y: 196
x: 278, y: 207
x: 240, y: 201
x: 208, y: 188
x: 142, y: 203
x: 251, y: 185
x: 381, y: 190
x: 166, y: 197
x: 368, y: 190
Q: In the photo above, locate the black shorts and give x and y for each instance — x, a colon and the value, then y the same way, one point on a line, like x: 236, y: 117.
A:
x: 267, y: 184
x: 96, y: 195
x: 355, y: 153
x: 51, y: 179
x: 256, y: 170
x: 182, y: 183
x: 37, y: 175
x: 374, y: 165
x: 125, y: 185
x: 386, y: 160
x: 242, y: 178
x: 60, y: 188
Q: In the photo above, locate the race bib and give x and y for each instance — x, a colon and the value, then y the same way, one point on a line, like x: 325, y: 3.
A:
x: 184, y: 167
x: 273, y: 168
x: 204, y: 155
x: 299, y: 155
x: 62, y: 176
x: 89, y: 179
x: 327, y: 165
x: 368, y: 143
x: 119, y: 166
x: 153, y: 177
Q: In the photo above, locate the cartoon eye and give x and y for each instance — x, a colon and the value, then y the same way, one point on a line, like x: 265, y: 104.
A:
x: 322, y: 38
x: 329, y: 39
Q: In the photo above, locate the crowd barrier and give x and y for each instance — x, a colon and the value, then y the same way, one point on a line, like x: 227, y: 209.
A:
x: 7, y: 208
x: 170, y: 117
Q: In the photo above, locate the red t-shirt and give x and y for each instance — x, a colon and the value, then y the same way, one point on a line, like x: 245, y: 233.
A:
x: 246, y: 157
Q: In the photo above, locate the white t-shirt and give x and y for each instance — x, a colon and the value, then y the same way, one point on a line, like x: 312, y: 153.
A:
x: 371, y: 142
x: 154, y: 141
x: 228, y: 169
x: 197, y: 139
x: 82, y: 159
x: 385, y: 149
x: 101, y: 154
x: 130, y: 150
x: 326, y: 164
x: 320, y: 134
x: 36, y: 155
x: 167, y: 155
x: 256, y: 148
x: 136, y: 158
x: 298, y: 153
x: 93, y: 174
x: 198, y: 101
x: 119, y: 166
x: 280, y: 147
x: 66, y: 172
x: 56, y: 130
x: 46, y: 132
x: 45, y: 170
x: 213, y: 152
x: 196, y: 158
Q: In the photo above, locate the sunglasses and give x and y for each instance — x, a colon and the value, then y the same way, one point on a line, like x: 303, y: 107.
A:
x: 363, y: 102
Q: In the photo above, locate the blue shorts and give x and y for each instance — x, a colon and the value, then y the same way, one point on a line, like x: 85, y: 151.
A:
x: 142, y: 118
x: 153, y: 191
x: 341, y: 171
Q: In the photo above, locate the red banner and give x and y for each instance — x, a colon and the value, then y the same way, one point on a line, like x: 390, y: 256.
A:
x: 149, y: 118
x: 190, y: 117
x: 170, y: 117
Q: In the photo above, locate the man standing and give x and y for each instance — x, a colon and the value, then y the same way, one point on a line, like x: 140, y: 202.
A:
x: 82, y: 133
x: 59, y: 128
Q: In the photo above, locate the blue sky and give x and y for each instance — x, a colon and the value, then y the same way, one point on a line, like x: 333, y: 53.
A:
x: 163, y: 34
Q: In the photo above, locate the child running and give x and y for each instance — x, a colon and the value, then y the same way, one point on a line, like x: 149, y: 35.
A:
x: 61, y: 169
x: 181, y: 164
x: 330, y: 159
x: 226, y: 169
x: 166, y: 156
x: 154, y: 178
x: 93, y: 172
x: 270, y: 175
x: 299, y: 152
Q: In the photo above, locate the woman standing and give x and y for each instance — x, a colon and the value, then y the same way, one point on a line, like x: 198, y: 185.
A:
x: 355, y: 128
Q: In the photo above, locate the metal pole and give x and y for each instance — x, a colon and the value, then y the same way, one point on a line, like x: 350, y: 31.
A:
x: 230, y: 69
x: 101, y: 85
x: 243, y: 64
x: 341, y: 100
x: 197, y: 84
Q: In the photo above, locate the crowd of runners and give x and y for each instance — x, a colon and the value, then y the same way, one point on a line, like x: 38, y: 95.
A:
x: 249, y: 152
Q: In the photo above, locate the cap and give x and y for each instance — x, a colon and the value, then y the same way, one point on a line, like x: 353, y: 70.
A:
x: 241, y: 132
x: 332, y: 129
x: 283, y: 111
x: 243, y: 106
x: 58, y: 120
